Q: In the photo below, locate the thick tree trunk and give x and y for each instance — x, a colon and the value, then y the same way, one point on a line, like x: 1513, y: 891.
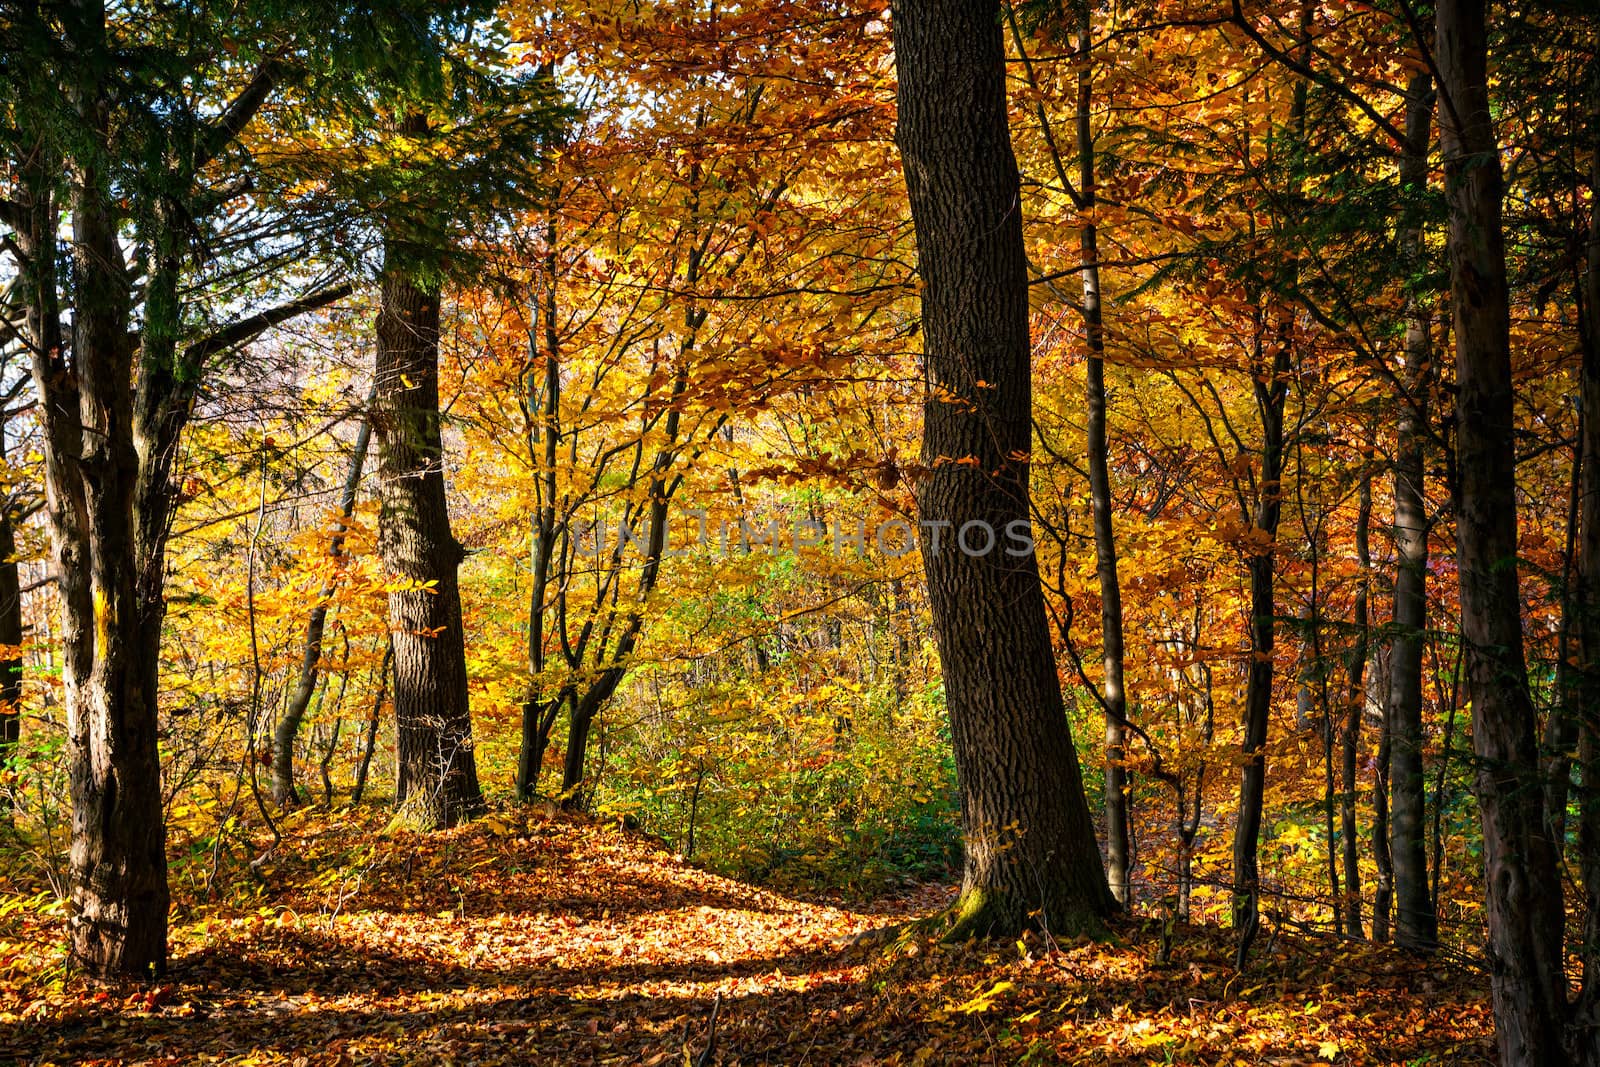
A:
x: 437, y: 773
x: 1415, y: 925
x: 283, y: 790
x: 1030, y: 849
x: 111, y: 433
x: 118, y: 866
x: 1523, y: 887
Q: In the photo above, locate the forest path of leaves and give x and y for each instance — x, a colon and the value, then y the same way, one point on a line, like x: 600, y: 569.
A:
x: 567, y: 942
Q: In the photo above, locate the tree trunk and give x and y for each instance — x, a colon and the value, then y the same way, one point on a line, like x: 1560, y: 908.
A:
x: 1355, y: 704
x: 1415, y: 925
x: 573, y: 794
x: 1271, y: 386
x: 1383, y: 884
x: 112, y: 406
x: 1030, y: 849
x: 283, y: 790
x: 111, y: 639
x: 1584, y: 1033
x: 543, y: 415
x: 1271, y: 394
x: 10, y: 632
x: 369, y: 743
x: 1523, y: 887
x: 1117, y: 800
x: 437, y: 774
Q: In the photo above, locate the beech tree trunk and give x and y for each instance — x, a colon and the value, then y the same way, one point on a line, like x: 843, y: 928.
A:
x: 1523, y: 886
x: 1030, y: 850
x: 1119, y: 852
x: 437, y: 774
x: 1415, y: 925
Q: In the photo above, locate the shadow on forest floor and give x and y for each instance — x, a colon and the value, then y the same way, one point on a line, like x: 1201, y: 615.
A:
x: 571, y: 942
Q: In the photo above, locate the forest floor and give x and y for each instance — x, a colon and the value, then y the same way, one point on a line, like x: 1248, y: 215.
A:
x: 563, y: 941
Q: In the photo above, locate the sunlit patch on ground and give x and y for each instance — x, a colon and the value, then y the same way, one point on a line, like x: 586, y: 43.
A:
x: 561, y: 941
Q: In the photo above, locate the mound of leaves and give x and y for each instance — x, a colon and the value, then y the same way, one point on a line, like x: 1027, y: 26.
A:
x: 520, y: 940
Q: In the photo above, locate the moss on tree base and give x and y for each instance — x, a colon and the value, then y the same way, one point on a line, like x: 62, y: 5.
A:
x: 989, y: 913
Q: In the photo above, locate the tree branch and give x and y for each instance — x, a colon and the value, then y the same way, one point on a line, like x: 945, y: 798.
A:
x: 248, y: 329
x: 1343, y: 91
x: 240, y: 111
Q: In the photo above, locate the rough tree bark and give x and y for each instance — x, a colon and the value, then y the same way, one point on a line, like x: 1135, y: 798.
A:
x: 436, y: 774
x: 113, y: 404
x: 1030, y: 849
x: 1522, y: 884
x: 118, y: 857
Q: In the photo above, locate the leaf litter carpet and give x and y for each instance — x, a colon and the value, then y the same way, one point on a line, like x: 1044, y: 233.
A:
x: 565, y: 941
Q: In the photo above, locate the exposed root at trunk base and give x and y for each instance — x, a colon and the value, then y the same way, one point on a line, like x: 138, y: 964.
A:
x: 988, y: 913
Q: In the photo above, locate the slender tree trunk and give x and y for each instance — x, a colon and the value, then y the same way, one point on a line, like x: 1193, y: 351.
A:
x: 579, y: 725
x: 1415, y: 925
x: 1117, y: 799
x: 10, y: 633
x: 1030, y: 849
x: 1524, y: 890
x: 437, y: 773
x: 370, y: 742
x: 1271, y: 372
x: 1355, y: 704
x: 1383, y: 884
x: 1271, y: 395
x: 1561, y: 726
x: 543, y: 409
x: 283, y: 790
x: 614, y: 665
